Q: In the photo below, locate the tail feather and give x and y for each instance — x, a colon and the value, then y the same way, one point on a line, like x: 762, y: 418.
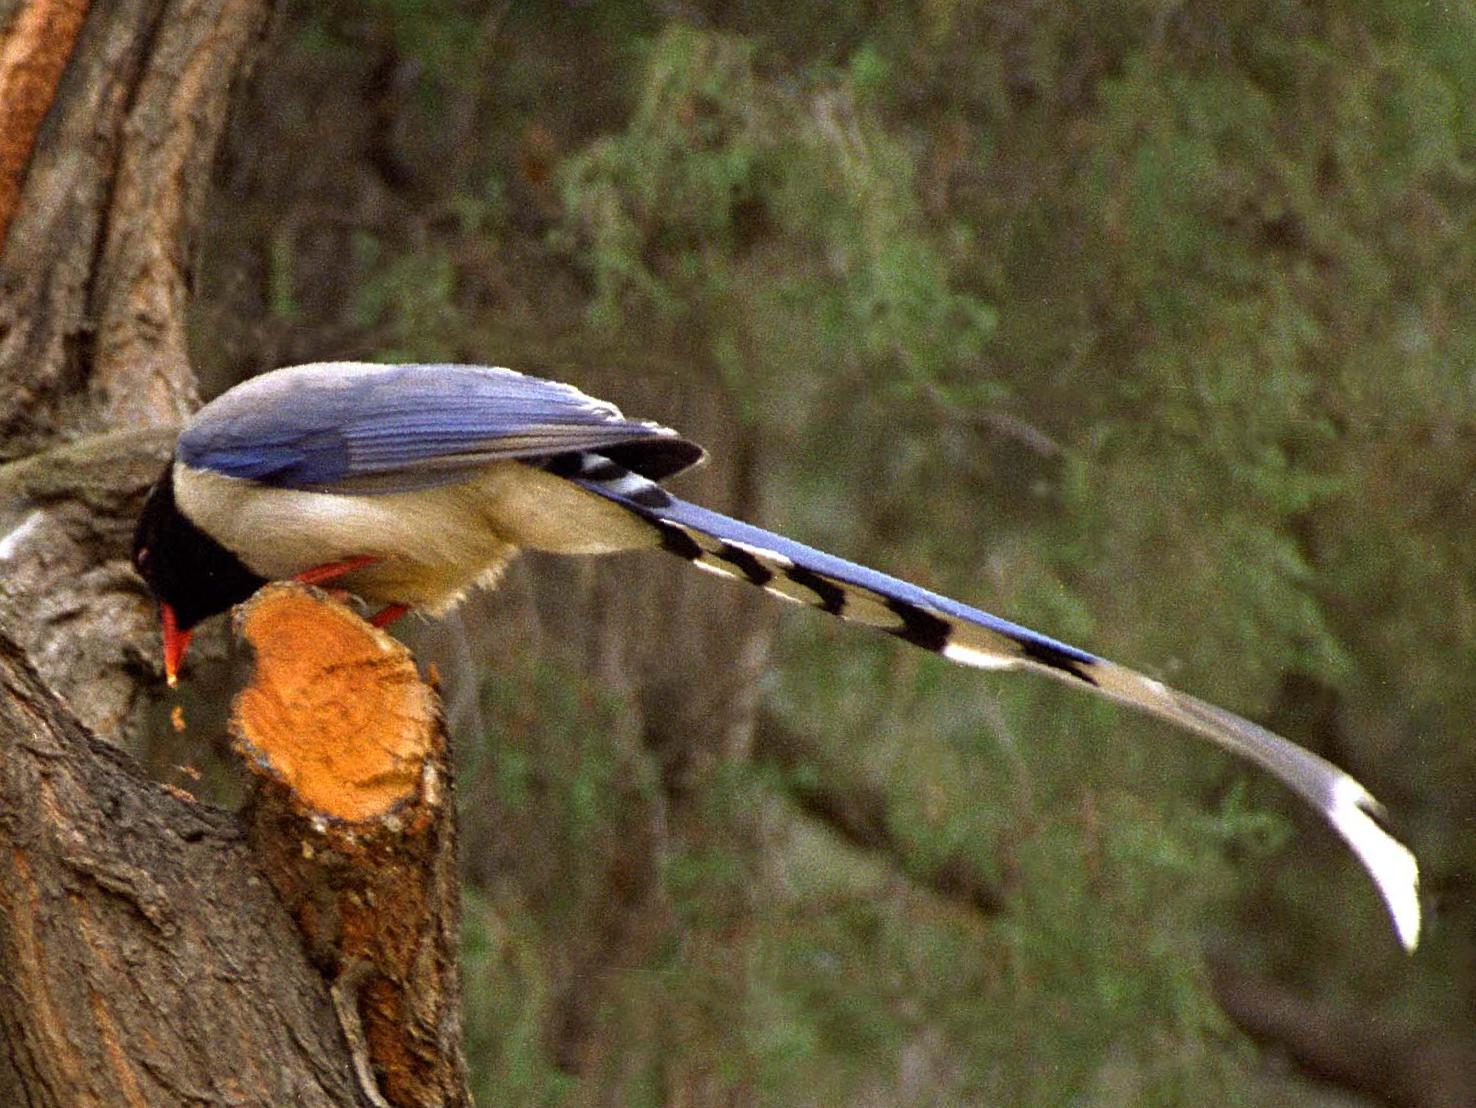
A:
x: 971, y: 637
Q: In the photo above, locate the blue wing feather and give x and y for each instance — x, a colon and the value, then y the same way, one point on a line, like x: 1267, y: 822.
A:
x: 365, y: 428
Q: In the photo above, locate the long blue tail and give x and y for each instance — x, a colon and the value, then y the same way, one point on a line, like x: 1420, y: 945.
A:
x: 971, y: 637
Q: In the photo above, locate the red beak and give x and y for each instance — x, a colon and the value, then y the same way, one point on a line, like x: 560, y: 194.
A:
x: 176, y: 642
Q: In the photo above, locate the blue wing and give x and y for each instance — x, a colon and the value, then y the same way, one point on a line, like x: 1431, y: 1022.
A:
x: 369, y: 429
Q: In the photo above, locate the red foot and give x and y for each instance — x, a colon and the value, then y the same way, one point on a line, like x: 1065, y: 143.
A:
x: 385, y: 616
x: 330, y: 571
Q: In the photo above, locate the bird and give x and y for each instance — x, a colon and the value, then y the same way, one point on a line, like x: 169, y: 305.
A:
x: 412, y: 484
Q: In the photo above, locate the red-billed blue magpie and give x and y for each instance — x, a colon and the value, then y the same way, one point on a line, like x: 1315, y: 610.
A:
x: 410, y: 484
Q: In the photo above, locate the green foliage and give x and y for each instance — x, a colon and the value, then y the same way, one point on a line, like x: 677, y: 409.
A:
x: 508, y: 991
x: 1214, y: 240
x: 437, y: 37
x: 673, y: 180
x: 280, y: 297
x: 1148, y: 325
x: 716, y: 158
x: 412, y: 297
x: 1126, y: 865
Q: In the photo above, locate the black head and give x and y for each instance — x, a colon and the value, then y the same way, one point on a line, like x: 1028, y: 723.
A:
x: 192, y: 576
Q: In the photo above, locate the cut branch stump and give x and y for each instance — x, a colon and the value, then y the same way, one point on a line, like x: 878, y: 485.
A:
x: 352, y: 821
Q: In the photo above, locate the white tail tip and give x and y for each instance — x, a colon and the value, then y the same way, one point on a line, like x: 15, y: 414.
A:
x: 1388, y: 861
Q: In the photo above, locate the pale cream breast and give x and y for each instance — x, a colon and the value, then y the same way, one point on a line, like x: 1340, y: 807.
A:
x: 433, y: 544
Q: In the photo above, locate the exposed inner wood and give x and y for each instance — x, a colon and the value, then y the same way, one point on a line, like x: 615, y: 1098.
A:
x: 335, y: 711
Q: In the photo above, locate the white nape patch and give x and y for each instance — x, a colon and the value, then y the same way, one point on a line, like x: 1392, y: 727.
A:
x: 10, y: 545
x: 979, y: 659
x: 763, y: 554
x: 1388, y: 861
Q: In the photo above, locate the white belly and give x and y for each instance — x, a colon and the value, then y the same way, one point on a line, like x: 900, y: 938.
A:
x: 433, y: 544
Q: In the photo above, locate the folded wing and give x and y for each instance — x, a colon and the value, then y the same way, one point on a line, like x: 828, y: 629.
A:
x: 353, y: 427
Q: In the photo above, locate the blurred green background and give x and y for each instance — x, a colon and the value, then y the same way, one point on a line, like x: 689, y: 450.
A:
x: 1146, y: 323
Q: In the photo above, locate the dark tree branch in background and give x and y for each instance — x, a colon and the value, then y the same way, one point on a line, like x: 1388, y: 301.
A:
x: 859, y: 814
x: 1367, y: 1054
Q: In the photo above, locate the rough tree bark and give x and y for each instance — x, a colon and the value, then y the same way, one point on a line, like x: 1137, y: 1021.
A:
x: 94, y: 273
x: 153, y: 950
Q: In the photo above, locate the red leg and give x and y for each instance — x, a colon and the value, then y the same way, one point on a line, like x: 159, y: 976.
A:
x: 332, y: 570
x: 385, y: 616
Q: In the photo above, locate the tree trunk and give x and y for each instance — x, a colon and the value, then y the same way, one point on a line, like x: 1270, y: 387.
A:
x: 146, y: 961
x: 154, y: 950
x: 126, y: 103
